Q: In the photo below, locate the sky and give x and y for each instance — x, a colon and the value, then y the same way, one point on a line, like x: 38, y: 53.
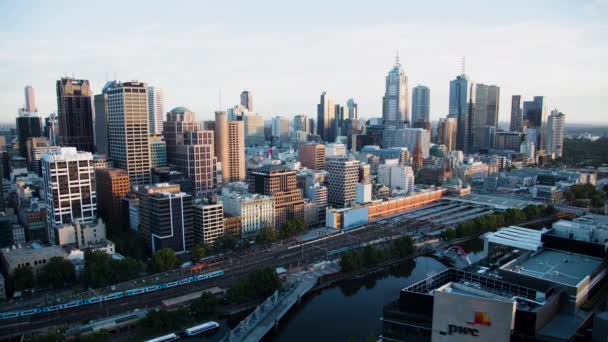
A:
x: 204, y: 53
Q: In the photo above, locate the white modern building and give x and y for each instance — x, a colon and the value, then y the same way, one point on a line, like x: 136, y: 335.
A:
x: 554, y: 133
x: 69, y: 188
x: 395, y: 107
x: 396, y: 177
x: 335, y: 150
x: 280, y: 128
x: 256, y: 211
x: 208, y: 222
x: 156, y: 109
x: 413, y: 136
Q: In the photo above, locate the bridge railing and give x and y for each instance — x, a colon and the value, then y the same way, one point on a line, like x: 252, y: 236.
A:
x: 260, y: 313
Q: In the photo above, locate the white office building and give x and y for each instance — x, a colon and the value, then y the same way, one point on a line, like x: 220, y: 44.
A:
x: 156, y: 109
x: 69, y: 188
x: 256, y: 211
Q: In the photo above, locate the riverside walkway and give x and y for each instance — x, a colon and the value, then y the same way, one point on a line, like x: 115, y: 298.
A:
x: 267, y: 315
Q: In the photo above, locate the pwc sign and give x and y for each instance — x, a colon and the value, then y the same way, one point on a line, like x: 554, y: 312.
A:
x: 480, y: 318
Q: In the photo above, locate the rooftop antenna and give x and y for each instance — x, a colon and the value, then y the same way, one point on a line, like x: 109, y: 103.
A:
x: 397, y: 58
x: 463, y: 66
x: 115, y: 76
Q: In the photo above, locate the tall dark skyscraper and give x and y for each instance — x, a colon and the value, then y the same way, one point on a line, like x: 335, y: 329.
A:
x: 101, y: 119
x: 28, y: 126
x: 535, y: 115
x: 247, y: 100
x: 516, y: 114
x: 75, y: 113
x: 462, y: 97
x: 326, y: 118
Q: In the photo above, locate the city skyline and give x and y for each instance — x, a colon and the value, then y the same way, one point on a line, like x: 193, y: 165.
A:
x: 288, y: 85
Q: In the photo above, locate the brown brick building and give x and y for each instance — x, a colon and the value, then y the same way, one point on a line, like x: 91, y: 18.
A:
x: 112, y: 186
x: 312, y: 156
x: 279, y: 182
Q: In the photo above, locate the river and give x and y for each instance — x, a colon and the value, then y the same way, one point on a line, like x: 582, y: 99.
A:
x: 351, y: 309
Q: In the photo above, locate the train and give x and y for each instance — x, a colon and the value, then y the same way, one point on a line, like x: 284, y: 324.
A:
x: 111, y: 296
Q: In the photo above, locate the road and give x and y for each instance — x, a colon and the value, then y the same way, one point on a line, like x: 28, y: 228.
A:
x: 237, y: 266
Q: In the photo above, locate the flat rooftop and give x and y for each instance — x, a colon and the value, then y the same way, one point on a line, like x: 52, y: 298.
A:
x: 473, y: 290
x: 498, y: 202
x: 556, y: 266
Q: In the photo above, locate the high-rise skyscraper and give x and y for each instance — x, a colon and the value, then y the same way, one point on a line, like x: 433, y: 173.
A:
x: 230, y: 148
x: 301, y: 123
x: 254, y: 130
x: 50, y: 128
x: 69, y: 188
x: 516, y: 114
x: 75, y: 112
x: 191, y: 149
x: 28, y: 126
x: 343, y: 175
x: 446, y: 132
x: 395, y: 103
x: 534, y: 116
x: 485, y: 114
x: 128, y: 129
x: 413, y: 137
x: 554, y: 134
x: 326, y: 118
x: 462, y: 97
x: 353, y: 114
x: 247, y: 100
x: 421, y: 104
x: 156, y: 109
x: 30, y: 99
x: 100, y: 102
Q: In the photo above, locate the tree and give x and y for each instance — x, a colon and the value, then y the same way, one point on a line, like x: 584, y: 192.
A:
x: 370, y: 256
x: 225, y: 243
x: 258, y: 284
x: 449, y: 234
x: 100, y: 269
x: 204, y: 306
x: 292, y: 227
x: 164, y: 260
x: 57, y: 272
x: 163, y: 321
x: 532, y: 211
x: 198, y: 252
x: 266, y: 235
x: 403, y: 247
x: 350, y: 262
x: 23, y: 278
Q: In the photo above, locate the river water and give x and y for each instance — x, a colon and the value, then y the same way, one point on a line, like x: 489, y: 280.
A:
x: 351, y: 309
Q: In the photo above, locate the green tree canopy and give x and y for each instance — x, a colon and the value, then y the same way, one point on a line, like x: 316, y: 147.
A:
x: 351, y: 261
x: 204, y: 306
x: 292, y: 227
x: 57, y: 273
x: 266, y: 235
x: 23, y: 278
x: 164, y: 260
x: 198, y: 252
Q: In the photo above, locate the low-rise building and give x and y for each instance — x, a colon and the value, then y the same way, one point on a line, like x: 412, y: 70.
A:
x: 34, y: 256
x: 255, y: 210
x: 81, y: 235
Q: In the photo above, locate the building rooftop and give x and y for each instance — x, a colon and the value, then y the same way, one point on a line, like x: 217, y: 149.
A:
x: 498, y: 202
x: 19, y: 255
x: 517, y: 237
x: 556, y: 266
x: 180, y: 109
